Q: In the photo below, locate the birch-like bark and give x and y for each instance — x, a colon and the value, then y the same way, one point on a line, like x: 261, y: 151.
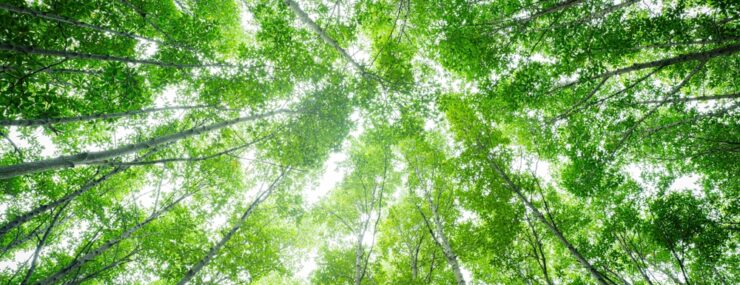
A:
x: 438, y: 233
x: 41, y: 245
x: 78, y: 262
x: 68, y: 161
x: 690, y: 99
x: 326, y: 38
x: 62, y: 120
x: 114, y: 264
x: 103, y: 57
x: 67, y: 198
x: 550, y: 226
x: 220, y: 244
x: 695, y: 56
x: 444, y: 243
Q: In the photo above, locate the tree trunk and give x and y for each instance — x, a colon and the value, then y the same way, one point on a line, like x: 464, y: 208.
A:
x: 217, y: 247
x: 445, y: 244
x: 91, y: 56
x: 702, y: 55
x: 551, y: 227
x: 41, y: 244
x: 553, y: 9
x: 77, y: 263
x: 689, y: 99
x: 326, y: 38
x: 359, y: 253
x: 69, y: 197
x: 51, y: 121
x: 89, y: 157
x: 106, y: 268
x: 437, y: 232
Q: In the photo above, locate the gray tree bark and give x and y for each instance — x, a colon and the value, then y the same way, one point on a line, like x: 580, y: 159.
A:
x: 551, y: 227
x: 67, y: 161
x: 217, y: 247
x: 51, y: 121
x: 92, y: 56
x: 56, y: 277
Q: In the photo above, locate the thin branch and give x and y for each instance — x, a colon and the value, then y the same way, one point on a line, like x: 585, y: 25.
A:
x: 673, y: 91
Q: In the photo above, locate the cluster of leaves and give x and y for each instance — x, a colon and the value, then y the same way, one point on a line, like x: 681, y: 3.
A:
x: 486, y: 142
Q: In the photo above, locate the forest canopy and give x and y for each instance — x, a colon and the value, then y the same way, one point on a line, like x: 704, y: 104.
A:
x: 370, y: 142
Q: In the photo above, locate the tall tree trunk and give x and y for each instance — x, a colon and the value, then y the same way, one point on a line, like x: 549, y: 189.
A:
x: 682, y: 266
x: 689, y: 99
x: 92, y: 56
x: 77, y: 263
x: 695, y: 56
x: 89, y: 157
x: 69, y: 197
x: 326, y: 38
x: 114, y: 264
x: 550, y: 226
x: 437, y: 232
x: 359, y: 254
x: 217, y: 247
x: 51, y: 121
x: 557, y: 7
x: 622, y: 240
x: 41, y: 244
x: 445, y: 244
x: 537, y: 249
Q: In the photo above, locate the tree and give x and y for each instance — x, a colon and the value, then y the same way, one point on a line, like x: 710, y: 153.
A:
x: 369, y: 142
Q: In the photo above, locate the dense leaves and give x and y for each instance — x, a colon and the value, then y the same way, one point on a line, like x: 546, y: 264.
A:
x: 369, y: 142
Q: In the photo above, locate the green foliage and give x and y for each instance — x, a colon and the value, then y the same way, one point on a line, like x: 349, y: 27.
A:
x: 476, y: 142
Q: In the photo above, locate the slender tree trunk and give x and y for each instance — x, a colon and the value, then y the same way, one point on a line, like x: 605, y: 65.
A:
x: 91, y: 56
x: 437, y: 232
x: 539, y: 253
x: 415, y: 257
x: 326, y: 38
x: 41, y: 244
x: 76, y: 23
x: 681, y: 265
x: 445, y: 244
x: 551, y: 227
x: 54, y: 70
x: 695, y: 56
x: 359, y: 253
x: 114, y: 264
x: 69, y: 197
x: 67, y: 161
x: 78, y: 262
x: 555, y: 8
x: 217, y: 247
x: 186, y: 159
x: 689, y: 99
x: 51, y: 121
x: 673, y: 91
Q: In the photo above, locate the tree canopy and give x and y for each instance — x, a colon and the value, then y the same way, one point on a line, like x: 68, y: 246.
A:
x: 370, y: 142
